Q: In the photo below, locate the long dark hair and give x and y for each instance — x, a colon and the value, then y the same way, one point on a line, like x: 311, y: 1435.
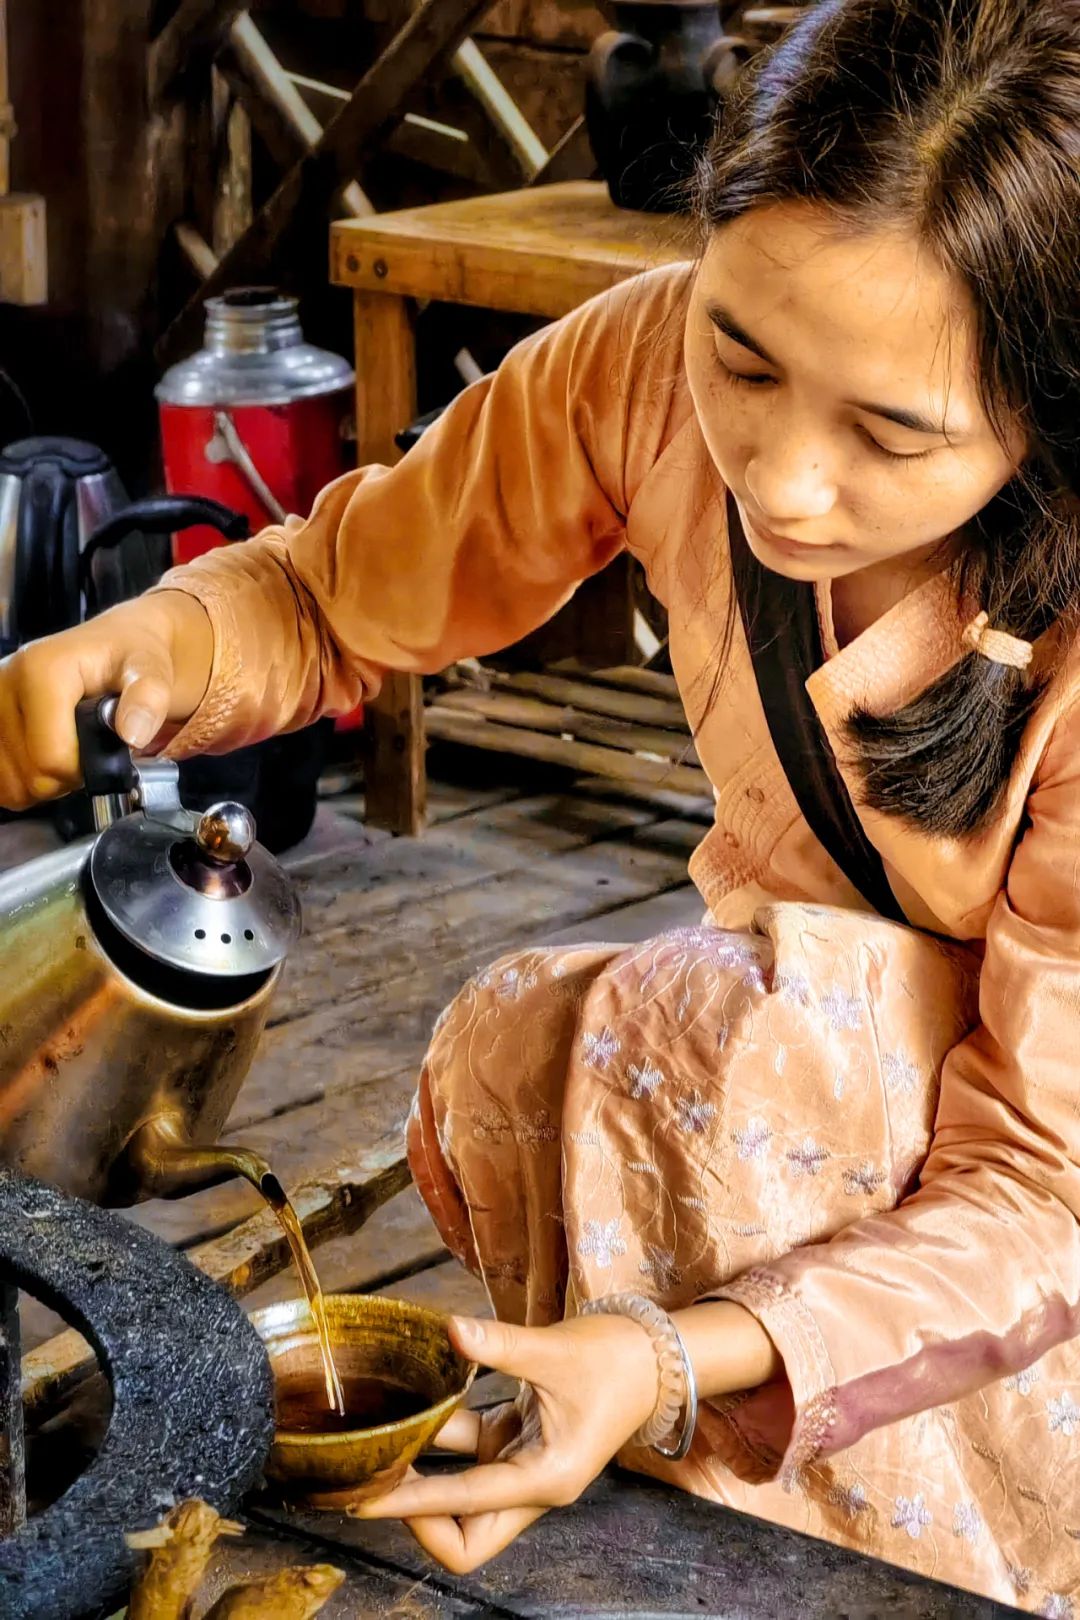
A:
x: 961, y: 120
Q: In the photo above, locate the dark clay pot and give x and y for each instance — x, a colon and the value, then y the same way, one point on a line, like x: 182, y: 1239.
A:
x: 649, y: 100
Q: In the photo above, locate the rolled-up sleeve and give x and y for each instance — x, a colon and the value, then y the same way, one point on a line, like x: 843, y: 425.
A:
x: 977, y: 1274
x: 517, y: 494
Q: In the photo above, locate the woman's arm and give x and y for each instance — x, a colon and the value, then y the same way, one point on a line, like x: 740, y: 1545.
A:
x: 517, y: 494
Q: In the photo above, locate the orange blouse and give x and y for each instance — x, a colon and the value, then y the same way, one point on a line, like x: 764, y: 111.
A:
x: 585, y: 441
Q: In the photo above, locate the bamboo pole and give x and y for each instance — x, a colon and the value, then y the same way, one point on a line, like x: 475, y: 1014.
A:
x: 448, y: 726
x: 637, y: 707
x: 509, y: 709
x: 265, y: 76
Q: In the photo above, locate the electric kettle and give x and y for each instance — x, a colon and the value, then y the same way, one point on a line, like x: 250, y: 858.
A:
x: 136, y: 972
x: 71, y: 543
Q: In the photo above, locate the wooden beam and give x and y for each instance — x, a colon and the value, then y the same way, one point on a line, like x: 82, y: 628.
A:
x: 23, y: 252
x: 571, y: 159
x: 506, y: 116
x: 298, y: 207
x: 266, y: 80
x: 192, y: 37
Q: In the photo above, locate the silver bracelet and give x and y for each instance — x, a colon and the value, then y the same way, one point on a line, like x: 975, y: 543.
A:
x: 677, y: 1386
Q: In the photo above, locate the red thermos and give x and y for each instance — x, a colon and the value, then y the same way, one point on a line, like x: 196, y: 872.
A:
x: 258, y: 419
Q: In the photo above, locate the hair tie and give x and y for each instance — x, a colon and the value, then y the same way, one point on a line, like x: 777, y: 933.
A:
x: 997, y: 645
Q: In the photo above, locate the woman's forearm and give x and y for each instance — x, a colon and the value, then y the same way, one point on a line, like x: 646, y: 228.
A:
x: 728, y: 1348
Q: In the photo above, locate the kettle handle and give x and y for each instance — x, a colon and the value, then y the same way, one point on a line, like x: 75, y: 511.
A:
x: 157, y: 514
x: 109, y: 774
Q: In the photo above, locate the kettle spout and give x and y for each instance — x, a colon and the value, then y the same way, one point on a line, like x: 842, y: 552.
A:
x: 165, y: 1163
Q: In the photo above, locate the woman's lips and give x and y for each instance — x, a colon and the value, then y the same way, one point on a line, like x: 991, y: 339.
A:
x: 783, y: 543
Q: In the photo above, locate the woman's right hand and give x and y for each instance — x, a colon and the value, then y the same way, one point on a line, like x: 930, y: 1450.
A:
x: 155, y: 653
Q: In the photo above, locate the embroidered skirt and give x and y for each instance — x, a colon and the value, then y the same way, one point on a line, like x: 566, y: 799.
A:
x: 665, y: 1117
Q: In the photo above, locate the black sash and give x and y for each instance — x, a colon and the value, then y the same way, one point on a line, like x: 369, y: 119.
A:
x: 780, y: 619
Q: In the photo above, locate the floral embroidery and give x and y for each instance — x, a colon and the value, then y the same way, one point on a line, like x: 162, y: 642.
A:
x: 794, y: 988
x: 489, y: 1124
x: 912, y: 1515
x: 603, y: 1241
x: 661, y: 1267
x: 1057, y: 1607
x: 586, y: 1138
x: 645, y: 1079
x: 838, y: 1087
x: 863, y: 1178
x: 967, y: 1522
x: 693, y: 1203
x: 1020, y: 1577
x: 899, y: 1071
x: 850, y: 1499
x: 1062, y: 1414
x: 599, y: 1049
x: 514, y: 983
x: 752, y: 1138
x: 1024, y: 1381
x: 842, y: 1011
x: 694, y: 1114
x: 533, y: 1130
x: 642, y: 1167
x: 808, y: 1158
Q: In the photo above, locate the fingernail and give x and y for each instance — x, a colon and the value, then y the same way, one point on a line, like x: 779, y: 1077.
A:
x: 139, y: 727
x: 465, y: 1328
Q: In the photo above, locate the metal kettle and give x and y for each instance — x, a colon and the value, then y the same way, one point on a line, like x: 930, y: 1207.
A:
x: 136, y: 975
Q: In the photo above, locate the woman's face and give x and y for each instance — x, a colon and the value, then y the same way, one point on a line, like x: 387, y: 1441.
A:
x: 834, y: 378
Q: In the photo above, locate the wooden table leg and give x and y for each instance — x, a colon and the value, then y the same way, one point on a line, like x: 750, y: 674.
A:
x: 12, y: 1449
x: 396, y: 775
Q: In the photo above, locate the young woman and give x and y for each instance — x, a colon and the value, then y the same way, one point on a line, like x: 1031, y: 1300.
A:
x: 817, y: 1164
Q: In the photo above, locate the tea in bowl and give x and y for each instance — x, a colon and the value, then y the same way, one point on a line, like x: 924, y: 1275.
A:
x: 401, y: 1379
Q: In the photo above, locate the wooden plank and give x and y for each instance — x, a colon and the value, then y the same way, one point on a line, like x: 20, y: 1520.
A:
x: 7, y: 112
x: 594, y: 697
x: 23, y: 251
x: 509, y: 709
x: 361, y: 956
x: 571, y: 24
x: 189, y: 41
x: 676, y: 908
x: 575, y: 756
x: 298, y: 206
x: 369, y: 1589
x: 653, y: 682
x: 536, y: 251
x: 632, y: 1547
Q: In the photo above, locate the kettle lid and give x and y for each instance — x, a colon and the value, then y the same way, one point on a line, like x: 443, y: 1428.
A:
x: 202, y: 897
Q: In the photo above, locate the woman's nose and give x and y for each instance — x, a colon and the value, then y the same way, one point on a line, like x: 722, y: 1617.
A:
x: 789, y: 485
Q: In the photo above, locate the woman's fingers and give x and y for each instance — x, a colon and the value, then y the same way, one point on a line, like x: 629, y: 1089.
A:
x: 491, y: 1488
x: 480, y: 1434
x: 523, y: 1352
x: 463, y: 1546
x: 460, y: 1433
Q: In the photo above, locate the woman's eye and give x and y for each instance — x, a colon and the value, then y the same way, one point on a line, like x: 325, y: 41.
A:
x: 753, y: 379
x: 895, y: 455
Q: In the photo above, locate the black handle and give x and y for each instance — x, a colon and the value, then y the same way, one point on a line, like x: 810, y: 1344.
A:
x: 157, y: 514
x: 105, y: 757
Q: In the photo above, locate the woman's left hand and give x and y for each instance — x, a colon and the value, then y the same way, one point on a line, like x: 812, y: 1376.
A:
x: 587, y: 1385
